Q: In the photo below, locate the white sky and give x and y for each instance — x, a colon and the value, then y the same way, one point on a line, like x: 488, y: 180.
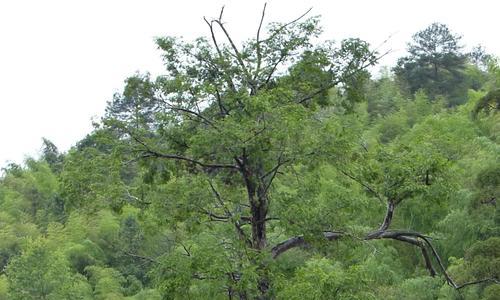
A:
x: 60, y: 61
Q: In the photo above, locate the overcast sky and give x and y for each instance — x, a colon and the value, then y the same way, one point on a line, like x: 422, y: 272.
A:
x: 61, y: 61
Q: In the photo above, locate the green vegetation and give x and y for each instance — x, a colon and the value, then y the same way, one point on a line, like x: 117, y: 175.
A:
x: 275, y: 169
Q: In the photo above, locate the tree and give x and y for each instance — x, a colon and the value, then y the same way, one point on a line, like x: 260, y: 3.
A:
x: 231, y: 119
x: 51, y: 155
x: 383, y: 97
x: 435, y: 64
x: 135, y: 103
x: 40, y: 273
x: 479, y: 57
x: 244, y: 132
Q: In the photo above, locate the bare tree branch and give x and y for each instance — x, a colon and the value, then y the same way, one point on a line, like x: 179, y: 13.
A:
x: 440, y: 263
x: 286, y: 25
x: 141, y: 257
x: 425, y: 254
x: 273, y: 68
x: 272, y: 173
x: 493, y: 280
x: 186, y: 249
x: 257, y: 44
x: 219, y: 198
x: 148, y: 152
x: 221, y: 12
x: 261, y: 21
x: 188, y: 111
x: 151, y: 153
x: 237, y: 53
x: 223, y: 110
x: 299, y: 241
x: 228, y: 79
x: 213, y: 216
x: 230, y: 215
x: 388, y: 216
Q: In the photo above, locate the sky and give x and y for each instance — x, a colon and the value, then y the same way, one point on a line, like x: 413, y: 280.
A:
x: 61, y: 61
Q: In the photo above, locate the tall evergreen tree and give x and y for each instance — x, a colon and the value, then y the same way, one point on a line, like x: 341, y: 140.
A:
x: 435, y: 64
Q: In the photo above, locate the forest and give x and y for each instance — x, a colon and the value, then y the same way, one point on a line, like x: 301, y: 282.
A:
x: 281, y: 167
